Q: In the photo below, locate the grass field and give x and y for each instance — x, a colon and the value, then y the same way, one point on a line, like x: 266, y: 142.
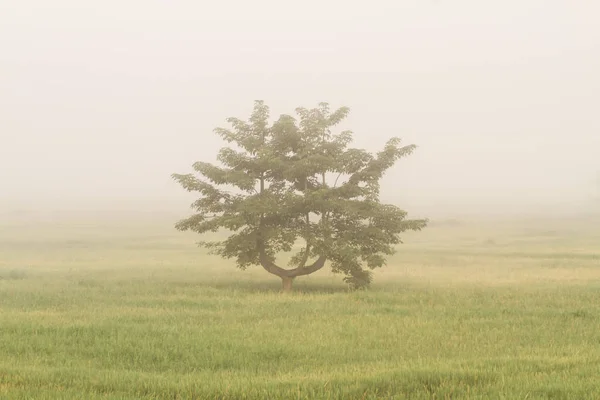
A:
x: 133, y: 310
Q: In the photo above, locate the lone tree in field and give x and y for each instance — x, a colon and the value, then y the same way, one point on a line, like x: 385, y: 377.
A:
x: 295, y: 181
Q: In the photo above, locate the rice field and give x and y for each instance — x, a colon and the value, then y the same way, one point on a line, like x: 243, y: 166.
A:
x: 132, y: 309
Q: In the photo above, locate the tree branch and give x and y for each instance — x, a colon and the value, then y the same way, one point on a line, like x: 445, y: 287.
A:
x: 336, y: 180
x: 274, y: 269
x: 305, y: 258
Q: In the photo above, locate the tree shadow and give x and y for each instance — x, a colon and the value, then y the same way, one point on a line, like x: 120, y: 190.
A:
x: 256, y: 287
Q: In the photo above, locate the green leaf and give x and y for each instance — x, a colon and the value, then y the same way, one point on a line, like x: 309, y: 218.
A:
x: 281, y: 193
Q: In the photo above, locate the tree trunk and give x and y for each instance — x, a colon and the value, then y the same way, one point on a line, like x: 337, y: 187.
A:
x: 287, y: 283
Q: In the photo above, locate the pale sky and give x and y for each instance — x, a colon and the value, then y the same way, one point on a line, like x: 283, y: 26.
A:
x: 101, y: 101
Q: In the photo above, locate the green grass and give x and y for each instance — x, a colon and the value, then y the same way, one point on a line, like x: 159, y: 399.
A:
x: 135, y: 311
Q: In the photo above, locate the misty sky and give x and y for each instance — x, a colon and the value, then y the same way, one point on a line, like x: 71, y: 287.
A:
x: 101, y: 101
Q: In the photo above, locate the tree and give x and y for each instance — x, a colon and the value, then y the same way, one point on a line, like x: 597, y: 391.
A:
x: 295, y: 180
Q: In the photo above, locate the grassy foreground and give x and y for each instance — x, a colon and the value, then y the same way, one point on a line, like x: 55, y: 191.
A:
x: 136, y: 311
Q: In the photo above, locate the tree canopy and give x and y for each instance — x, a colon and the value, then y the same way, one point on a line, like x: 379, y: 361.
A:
x: 296, y: 181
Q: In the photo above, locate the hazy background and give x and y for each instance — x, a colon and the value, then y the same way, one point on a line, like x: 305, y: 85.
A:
x: 101, y: 101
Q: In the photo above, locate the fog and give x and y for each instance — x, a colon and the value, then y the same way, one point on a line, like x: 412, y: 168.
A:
x: 101, y: 101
